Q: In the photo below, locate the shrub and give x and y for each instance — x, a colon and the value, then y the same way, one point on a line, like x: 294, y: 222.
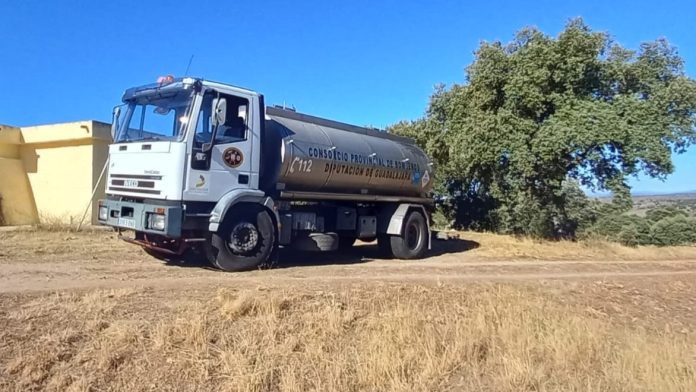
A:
x: 675, y: 230
x: 627, y: 229
x: 636, y: 231
x: 659, y: 213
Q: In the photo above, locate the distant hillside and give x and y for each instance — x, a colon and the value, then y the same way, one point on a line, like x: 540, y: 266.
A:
x: 651, y: 195
x: 685, y: 200
x: 645, y: 201
x: 677, y: 195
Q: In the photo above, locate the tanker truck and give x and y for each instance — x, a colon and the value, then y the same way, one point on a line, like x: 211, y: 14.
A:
x: 206, y: 166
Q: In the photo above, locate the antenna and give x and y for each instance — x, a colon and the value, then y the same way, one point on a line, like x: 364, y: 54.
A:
x: 188, y: 66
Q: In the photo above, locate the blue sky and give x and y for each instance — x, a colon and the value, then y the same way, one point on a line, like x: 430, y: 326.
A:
x: 363, y: 62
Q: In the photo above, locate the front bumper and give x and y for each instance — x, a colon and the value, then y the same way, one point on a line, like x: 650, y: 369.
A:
x: 134, y: 216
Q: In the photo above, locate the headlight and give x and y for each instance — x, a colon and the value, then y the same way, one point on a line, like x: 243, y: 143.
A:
x: 155, y: 221
x: 103, y: 213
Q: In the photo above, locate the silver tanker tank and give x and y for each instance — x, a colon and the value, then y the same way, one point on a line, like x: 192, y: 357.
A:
x: 311, y: 154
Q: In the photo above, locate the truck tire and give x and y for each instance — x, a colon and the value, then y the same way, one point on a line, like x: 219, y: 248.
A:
x: 317, y: 242
x: 412, y: 243
x: 243, y: 242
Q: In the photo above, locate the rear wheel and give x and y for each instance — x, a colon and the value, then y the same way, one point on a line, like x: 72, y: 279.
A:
x: 244, y: 241
x: 412, y: 243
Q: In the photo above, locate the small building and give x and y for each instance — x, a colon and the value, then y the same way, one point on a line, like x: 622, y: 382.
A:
x: 48, y: 172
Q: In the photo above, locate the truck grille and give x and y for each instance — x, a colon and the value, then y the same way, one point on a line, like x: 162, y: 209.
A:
x: 134, y: 183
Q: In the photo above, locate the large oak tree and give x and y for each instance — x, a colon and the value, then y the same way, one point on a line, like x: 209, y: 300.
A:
x: 540, y: 111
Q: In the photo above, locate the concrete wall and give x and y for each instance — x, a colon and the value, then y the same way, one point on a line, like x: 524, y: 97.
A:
x: 61, y: 164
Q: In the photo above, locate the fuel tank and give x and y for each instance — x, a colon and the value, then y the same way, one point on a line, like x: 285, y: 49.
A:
x: 312, y: 154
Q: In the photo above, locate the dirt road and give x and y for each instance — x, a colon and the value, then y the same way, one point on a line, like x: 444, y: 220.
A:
x: 40, y: 261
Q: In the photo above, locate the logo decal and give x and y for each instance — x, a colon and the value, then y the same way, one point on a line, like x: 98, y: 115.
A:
x: 415, y: 177
x: 199, y: 185
x: 233, y: 157
x: 201, y: 182
x: 130, y: 183
x: 425, y: 180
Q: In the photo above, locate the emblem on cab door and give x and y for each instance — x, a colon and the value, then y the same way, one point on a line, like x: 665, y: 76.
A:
x: 233, y: 157
x: 201, y: 181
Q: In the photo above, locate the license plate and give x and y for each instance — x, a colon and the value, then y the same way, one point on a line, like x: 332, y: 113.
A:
x: 131, y: 183
x: 124, y: 222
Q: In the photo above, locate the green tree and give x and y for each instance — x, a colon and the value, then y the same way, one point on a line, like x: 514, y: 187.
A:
x: 540, y: 111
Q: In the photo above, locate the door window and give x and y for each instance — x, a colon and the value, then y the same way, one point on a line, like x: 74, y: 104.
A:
x: 236, y: 125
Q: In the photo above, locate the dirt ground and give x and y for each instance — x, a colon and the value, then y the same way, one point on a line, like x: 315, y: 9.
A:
x: 644, y: 291
x: 40, y: 261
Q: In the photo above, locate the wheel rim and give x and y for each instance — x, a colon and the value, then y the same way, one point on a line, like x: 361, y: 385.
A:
x: 243, y: 238
x: 413, y: 236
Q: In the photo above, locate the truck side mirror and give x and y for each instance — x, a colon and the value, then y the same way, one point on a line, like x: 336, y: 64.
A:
x: 114, y: 121
x: 219, y: 111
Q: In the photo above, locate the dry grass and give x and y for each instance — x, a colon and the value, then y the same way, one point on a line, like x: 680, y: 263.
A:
x: 352, y: 336
x: 59, y: 223
x: 26, y: 243
x: 376, y: 338
x: 496, y: 246
x: 56, y: 223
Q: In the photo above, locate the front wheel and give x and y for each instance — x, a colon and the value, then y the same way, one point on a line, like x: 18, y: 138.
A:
x: 243, y: 242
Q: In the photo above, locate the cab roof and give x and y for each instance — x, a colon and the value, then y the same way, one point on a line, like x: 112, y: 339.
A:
x: 173, y: 84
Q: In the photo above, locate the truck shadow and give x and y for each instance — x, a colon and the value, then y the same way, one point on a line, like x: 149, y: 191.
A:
x: 361, y: 253
x: 364, y: 253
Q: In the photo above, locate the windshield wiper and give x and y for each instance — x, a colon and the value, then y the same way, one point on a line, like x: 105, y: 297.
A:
x: 155, y: 138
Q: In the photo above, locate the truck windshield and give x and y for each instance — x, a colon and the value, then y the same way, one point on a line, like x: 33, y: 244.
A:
x: 155, y: 117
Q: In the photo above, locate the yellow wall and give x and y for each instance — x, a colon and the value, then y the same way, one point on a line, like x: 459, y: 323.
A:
x: 16, y: 199
x: 61, y: 178
x: 62, y: 163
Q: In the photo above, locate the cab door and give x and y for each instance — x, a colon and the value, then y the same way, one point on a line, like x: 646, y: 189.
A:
x: 222, y: 156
